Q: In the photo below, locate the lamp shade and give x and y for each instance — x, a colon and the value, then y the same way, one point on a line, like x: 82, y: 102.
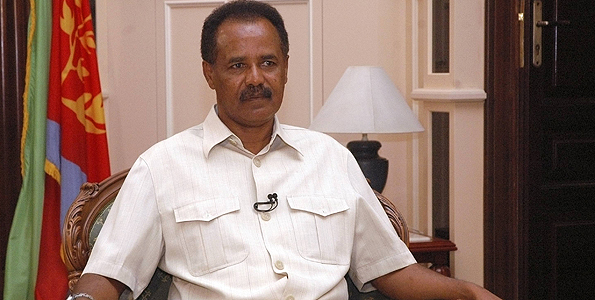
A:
x: 365, y: 100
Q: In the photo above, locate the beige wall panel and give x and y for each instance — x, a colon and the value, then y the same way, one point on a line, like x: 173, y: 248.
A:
x: 151, y: 72
x: 296, y: 103
x: 371, y: 33
x: 128, y: 46
x: 188, y: 98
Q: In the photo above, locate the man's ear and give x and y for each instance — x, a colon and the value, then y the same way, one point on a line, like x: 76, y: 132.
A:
x: 286, y: 67
x: 207, y: 71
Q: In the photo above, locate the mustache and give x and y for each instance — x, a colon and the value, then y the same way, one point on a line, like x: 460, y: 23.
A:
x: 259, y: 91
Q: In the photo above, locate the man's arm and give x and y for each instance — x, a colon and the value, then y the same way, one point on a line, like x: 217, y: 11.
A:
x: 417, y: 282
x: 101, y: 288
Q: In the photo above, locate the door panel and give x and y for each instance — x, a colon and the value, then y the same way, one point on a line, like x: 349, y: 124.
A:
x: 572, y: 63
x: 561, y: 186
x: 187, y: 96
x: 153, y: 75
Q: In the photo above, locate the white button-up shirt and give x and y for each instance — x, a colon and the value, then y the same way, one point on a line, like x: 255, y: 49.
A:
x: 187, y: 206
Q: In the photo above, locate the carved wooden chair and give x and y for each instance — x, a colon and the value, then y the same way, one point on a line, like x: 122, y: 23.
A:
x: 89, y: 210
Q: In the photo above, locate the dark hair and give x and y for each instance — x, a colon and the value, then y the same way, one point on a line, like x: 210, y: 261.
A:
x: 239, y: 10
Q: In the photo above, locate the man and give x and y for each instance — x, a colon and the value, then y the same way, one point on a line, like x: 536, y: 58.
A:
x: 242, y: 207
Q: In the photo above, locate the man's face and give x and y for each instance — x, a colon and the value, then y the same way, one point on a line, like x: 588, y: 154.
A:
x: 249, y: 73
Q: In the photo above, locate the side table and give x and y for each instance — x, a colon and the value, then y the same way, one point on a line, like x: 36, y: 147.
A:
x: 436, y: 251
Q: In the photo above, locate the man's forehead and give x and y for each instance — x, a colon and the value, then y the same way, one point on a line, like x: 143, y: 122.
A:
x: 236, y: 36
x: 246, y: 27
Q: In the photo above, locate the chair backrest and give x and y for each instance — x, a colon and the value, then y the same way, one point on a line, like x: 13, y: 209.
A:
x: 81, y: 222
x: 87, y: 213
x: 395, y: 217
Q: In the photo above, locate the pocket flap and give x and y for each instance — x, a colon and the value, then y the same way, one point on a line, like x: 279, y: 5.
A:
x: 206, y: 210
x: 322, y: 206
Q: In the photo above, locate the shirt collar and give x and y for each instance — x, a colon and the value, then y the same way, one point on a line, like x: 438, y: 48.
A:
x: 215, y: 133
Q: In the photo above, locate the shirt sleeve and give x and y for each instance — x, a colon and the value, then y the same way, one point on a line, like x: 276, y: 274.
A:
x: 130, y: 243
x: 377, y: 249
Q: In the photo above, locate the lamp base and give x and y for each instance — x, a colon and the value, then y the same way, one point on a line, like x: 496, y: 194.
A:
x: 374, y: 167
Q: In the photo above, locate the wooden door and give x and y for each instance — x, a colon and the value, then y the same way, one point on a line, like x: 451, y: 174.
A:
x: 560, y: 129
x: 540, y: 151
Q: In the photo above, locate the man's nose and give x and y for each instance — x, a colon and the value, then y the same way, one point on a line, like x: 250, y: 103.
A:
x: 255, y: 76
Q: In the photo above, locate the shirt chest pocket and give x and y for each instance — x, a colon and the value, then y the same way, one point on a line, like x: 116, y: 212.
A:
x: 322, y: 228
x: 211, y: 234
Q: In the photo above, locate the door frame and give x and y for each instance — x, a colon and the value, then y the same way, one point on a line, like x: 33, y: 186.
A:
x: 505, y: 234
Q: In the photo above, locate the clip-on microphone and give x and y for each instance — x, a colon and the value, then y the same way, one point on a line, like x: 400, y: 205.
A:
x: 272, y: 203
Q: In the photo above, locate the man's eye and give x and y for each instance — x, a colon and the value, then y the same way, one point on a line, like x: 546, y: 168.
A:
x: 237, y: 66
x: 268, y: 63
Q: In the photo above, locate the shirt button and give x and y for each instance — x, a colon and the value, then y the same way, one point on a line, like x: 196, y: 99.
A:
x: 290, y: 298
x: 257, y: 162
x: 233, y: 142
x: 279, y: 265
x: 265, y: 216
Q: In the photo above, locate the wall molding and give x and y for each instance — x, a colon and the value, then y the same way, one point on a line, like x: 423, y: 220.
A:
x: 449, y: 95
x: 169, y: 114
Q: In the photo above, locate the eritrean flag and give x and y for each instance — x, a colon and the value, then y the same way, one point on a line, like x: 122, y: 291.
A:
x: 74, y: 148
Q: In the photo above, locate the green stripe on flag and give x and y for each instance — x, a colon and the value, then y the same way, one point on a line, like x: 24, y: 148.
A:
x: 23, y: 244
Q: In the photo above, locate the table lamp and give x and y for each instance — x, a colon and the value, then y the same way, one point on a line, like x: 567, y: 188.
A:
x: 365, y: 100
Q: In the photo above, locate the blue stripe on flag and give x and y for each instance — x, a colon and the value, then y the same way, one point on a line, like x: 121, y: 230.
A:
x: 72, y: 179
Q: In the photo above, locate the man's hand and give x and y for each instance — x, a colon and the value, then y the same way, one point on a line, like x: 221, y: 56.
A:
x: 417, y: 282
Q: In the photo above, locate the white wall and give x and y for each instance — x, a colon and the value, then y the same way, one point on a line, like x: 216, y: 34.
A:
x: 149, y: 63
x: 459, y: 93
